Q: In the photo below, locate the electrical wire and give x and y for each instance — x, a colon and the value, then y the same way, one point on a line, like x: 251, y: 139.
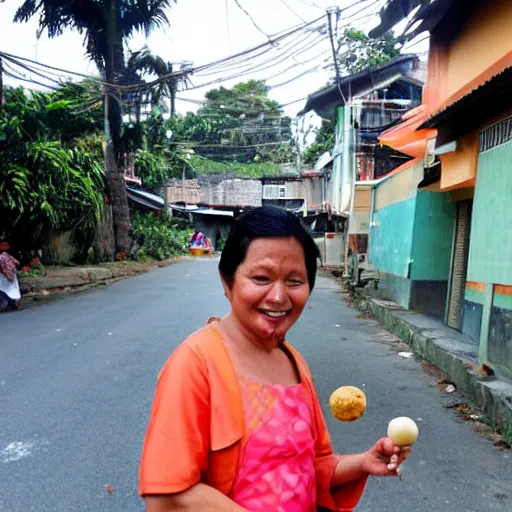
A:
x: 199, y: 145
x: 304, y: 73
x: 292, y: 11
x: 279, y: 37
x: 251, y: 18
x: 300, y: 39
x: 227, y: 22
x: 242, y: 61
x: 282, y: 105
x: 408, y: 46
x: 311, y: 4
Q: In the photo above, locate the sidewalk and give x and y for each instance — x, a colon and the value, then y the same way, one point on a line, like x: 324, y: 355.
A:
x: 65, y: 280
x: 451, y: 352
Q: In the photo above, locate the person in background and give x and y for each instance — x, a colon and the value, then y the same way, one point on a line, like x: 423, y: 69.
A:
x: 10, y: 294
x: 236, y: 424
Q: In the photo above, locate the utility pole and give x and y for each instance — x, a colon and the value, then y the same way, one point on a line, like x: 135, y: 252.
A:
x: 1, y: 83
x: 175, y: 81
x: 334, y: 11
x: 172, y: 89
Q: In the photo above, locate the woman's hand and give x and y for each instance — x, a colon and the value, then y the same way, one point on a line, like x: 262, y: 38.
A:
x: 384, y: 458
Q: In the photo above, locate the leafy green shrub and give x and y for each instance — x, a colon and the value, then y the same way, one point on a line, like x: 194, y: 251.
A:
x: 158, y: 236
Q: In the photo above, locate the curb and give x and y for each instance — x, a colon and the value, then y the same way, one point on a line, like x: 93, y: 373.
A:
x: 76, y: 279
x: 492, y: 396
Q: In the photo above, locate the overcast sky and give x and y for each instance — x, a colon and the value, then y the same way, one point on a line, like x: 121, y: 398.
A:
x: 201, y: 31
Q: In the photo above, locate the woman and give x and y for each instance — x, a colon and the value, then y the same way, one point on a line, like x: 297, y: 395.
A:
x: 9, y: 286
x: 236, y: 424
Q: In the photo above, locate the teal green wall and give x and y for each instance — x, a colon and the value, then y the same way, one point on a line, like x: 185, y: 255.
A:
x: 502, y: 301
x: 391, y: 237
x: 432, y: 236
x: 490, y: 253
x: 475, y: 296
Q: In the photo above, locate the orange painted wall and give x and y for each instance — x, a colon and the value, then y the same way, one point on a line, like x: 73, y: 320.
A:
x: 435, y: 91
x: 486, y: 38
x: 459, y: 167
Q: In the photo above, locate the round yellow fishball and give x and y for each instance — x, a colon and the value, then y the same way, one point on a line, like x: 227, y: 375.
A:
x: 403, y: 431
x: 347, y: 403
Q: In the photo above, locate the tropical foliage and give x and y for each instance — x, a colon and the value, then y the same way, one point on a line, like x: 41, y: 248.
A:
x: 359, y: 51
x: 159, y: 237
x: 324, y: 142
x: 106, y: 25
x: 49, y: 180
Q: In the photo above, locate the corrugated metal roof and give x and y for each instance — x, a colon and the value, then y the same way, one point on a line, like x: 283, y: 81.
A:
x: 429, y: 14
x: 360, y: 84
x: 491, y: 75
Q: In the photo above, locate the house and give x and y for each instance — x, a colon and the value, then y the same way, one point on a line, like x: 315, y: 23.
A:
x: 454, y: 202
x: 363, y: 105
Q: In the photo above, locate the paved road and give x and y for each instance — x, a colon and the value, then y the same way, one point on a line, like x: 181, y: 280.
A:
x: 77, y: 377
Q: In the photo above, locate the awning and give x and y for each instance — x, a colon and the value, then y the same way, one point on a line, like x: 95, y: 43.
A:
x: 198, y: 210
x: 483, y: 98
x: 145, y: 198
x: 404, y: 167
x: 406, y: 137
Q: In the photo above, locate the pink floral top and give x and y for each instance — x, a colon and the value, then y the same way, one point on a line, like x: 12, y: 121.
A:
x: 276, y: 471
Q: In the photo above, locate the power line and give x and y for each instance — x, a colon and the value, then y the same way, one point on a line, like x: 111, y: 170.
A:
x: 242, y: 61
x: 292, y: 102
x: 251, y: 18
x: 292, y: 44
x: 311, y: 4
x: 226, y: 146
x: 307, y: 72
x: 292, y: 11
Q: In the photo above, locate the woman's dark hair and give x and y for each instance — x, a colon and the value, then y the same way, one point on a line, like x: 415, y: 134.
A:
x: 265, y: 222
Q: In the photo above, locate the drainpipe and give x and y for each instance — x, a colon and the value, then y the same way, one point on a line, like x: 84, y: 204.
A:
x: 351, y: 171
x: 370, y: 225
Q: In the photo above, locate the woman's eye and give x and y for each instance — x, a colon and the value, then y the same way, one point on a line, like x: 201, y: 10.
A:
x: 295, y: 282
x: 260, y: 279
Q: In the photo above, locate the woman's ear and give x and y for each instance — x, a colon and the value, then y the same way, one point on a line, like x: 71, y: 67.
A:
x: 227, y: 288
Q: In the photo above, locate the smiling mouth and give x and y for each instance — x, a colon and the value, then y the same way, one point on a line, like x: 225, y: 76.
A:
x: 274, y: 314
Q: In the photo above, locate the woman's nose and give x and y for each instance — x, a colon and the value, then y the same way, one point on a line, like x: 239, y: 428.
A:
x: 277, y: 293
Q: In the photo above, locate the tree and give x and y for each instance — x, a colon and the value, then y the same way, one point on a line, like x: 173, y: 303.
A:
x: 248, y: 99
x: 241, y: 116
x: 49, y: 180
x: 324, y: 142
x: 105, y: 24
x: 359, y: 51
x: 145, y: 63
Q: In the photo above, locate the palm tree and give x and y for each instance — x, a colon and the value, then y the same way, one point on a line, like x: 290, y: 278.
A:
x: 143, y: 62
x: 105, y: 24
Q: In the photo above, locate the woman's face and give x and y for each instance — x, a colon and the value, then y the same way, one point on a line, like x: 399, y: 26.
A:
x: 270, y: 287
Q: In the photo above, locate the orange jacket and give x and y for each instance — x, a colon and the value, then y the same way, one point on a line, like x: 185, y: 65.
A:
x: 197, y: 426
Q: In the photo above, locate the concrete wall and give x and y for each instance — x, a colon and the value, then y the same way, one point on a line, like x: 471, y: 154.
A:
x: 491, y: 233
x: 360, y: 219
x: 459, y: 167
x: 411, y: 241
x: 434, y: 225
x: 433, y: 236
x: 484, y: 40
x: 313, y: 190
x: 183, y: 191
x: 489, y: 290
x: 391, y: 235
x: 219, y: 190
